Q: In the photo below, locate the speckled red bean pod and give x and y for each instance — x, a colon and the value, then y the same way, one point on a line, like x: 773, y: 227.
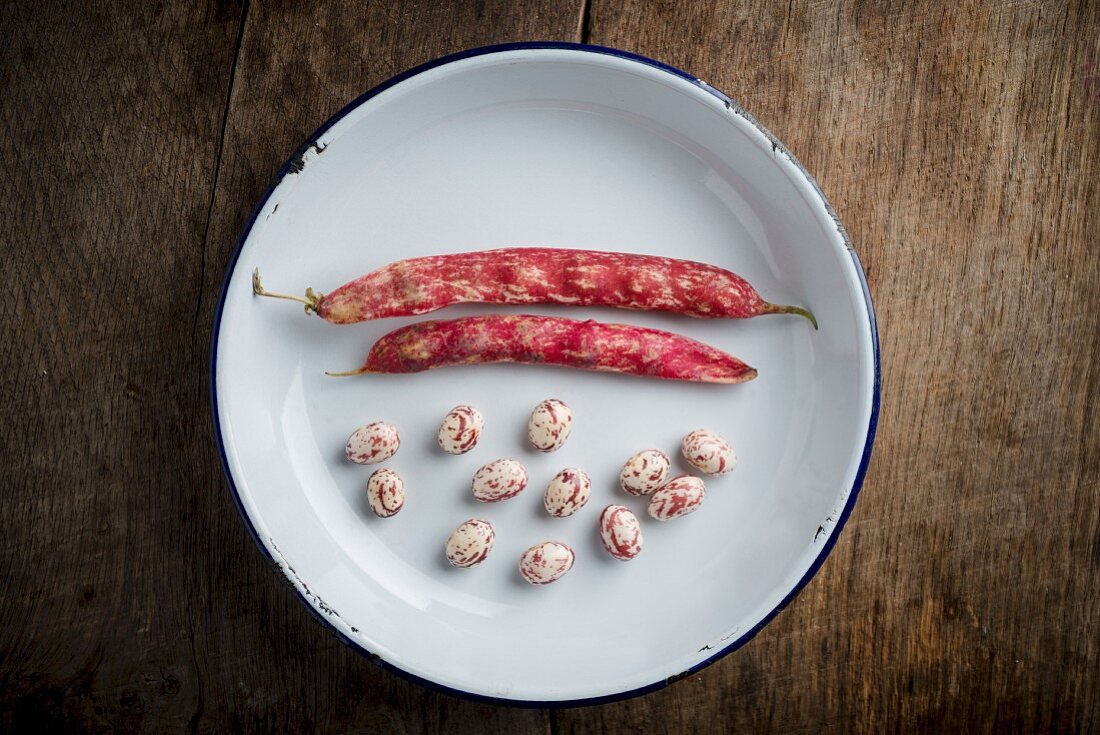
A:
x: 544, y: 340
x: 543, y: 276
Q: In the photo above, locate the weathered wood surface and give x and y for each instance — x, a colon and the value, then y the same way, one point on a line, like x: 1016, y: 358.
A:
x: 135, y: 140
x: 960, y: 143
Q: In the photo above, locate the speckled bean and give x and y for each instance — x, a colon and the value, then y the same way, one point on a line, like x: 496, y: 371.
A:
x: 460, y: 430
x: 385, y: 492
x: 620, y: 532
x: 644, y: 472
x: 708, y: 452
x: 373, y: 443
x: 546, y: 562
x: 677, y: 497
x: 499, y: 480
x: 470, y: 543
x: 567, y: 492
x: 549, y: 425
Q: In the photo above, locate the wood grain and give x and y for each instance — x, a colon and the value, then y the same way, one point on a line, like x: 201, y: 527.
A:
x: 111, y: 117
x: 960, y: 144
x: 300, y: 63
x: 135, y: 140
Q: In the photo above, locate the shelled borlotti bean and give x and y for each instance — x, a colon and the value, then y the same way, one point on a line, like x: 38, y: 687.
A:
x: 620, y: 532
x: 373, y: 443
x: 644, y: 474
x: 677, y: 497
x: 708, y: 452
x: 550, y: 425
x: 470, y: 543
x: 460, y: 430
x: 546, y: 562
x: 567, y: 492
x: 385, y: 492
x: 499, y: 480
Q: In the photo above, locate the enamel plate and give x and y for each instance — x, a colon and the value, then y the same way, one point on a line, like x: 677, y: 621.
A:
x: 545, y: 145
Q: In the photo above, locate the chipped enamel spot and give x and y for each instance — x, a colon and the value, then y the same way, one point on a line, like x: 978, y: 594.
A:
x: 303, y: 588
x: 549, y: 425
x: 470, y: 543
x: 708, y: 452
x: 546, y: 562
x: 723, y: 205
x: 644, y: 472
x: 373, y: 443
x: 499, y: 480
x: 567, y: 492
x: 460, y: 430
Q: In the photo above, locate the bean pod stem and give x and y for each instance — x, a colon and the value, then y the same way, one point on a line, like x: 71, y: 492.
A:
x: 312, y: 300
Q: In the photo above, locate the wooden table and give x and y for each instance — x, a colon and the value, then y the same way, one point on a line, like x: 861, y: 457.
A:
x: 960, y: 143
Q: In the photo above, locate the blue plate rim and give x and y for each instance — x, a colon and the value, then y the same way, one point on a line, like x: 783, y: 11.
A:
x: 842, y: 518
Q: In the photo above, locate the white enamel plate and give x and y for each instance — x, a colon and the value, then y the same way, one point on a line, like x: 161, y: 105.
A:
x: 566, y: 146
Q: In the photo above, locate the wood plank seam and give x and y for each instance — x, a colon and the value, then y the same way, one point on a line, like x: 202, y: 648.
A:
x: 218, y: 169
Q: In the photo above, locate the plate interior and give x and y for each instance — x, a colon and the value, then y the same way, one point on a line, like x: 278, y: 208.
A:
x: 544, y: 148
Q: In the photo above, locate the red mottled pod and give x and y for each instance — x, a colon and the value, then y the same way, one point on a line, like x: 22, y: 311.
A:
x: 385, y: 492
x: 541, y: 276
x: 499, y: 480
x: 546, y: 562
x: 470, y: 543
x: 678, y: 497
x: 620, y: 532
x: 545, y: 340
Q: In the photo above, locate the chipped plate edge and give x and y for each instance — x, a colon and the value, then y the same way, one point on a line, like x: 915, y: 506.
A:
x: 830, y: 527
